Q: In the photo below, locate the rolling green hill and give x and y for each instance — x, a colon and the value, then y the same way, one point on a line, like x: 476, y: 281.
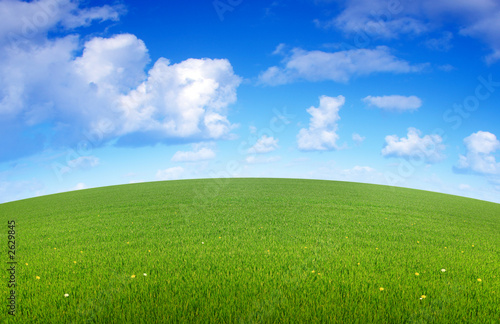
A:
x: 253, y: 251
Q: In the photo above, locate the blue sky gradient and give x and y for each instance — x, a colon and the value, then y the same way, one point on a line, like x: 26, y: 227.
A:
x: 396, y: 92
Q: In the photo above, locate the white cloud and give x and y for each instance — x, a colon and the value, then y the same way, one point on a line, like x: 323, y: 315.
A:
x: 482, y: 142
x: 252, y: 159
x: 336, y: 66
x: 113, y: 64
x: 480, y: 155
x: 322, y: 132
x: 358, y: 139
x: 264, y: 144
x: 187, y: 99
x: 104, y: 91
x: 394, y: 102
x: 276, y: 76
x: 428, y: 148
x: 86, y: 16
x: 170, y: 173
x: 200, y: 154
x: 381, y: 19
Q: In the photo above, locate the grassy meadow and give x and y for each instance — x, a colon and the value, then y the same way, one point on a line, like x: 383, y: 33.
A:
x: 253, y: 251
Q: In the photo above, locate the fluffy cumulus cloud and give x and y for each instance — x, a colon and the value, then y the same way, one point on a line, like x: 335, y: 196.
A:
x: 59, y: 91
x: 199, y: 153
x: 428, y: 148
x: 322, y: 132
x: 112, y: 65
x: 480, y: 155
x: 338, y: 66
x: 184, y: 100
x: 170, y: 173
x: 264, y: 144
x: 394, y: 102
x: 392, y: 19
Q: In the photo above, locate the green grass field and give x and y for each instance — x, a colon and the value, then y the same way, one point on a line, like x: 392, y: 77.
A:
x: 253, y: 251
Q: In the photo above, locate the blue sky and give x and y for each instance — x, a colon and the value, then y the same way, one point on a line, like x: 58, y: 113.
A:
x: 397, y: 92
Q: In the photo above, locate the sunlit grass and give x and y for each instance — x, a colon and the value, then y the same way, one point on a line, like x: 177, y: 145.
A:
x: 255, y: 250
